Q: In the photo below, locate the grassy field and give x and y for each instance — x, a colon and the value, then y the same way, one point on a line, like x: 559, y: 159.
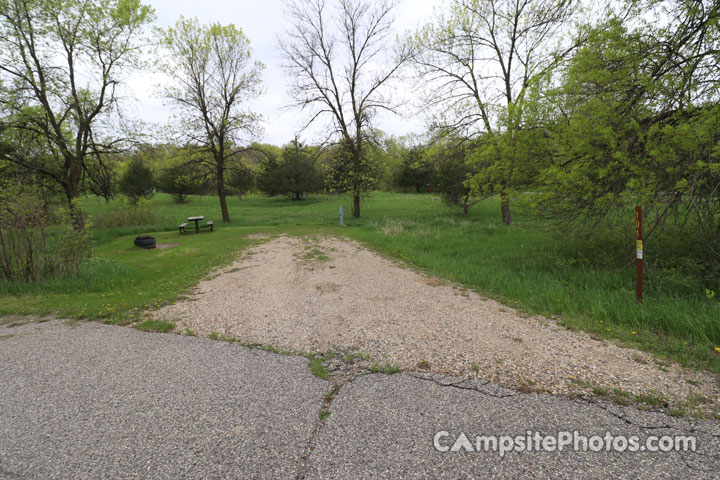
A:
x: 588, y: 283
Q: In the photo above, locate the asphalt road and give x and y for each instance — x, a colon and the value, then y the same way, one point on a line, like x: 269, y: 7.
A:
x: 86, y: 400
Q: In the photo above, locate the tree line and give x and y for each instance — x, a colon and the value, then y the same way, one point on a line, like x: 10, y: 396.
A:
x: 403, y: 164
x: 591, y: 107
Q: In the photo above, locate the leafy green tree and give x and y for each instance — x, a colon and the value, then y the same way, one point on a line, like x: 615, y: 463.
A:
x: 416, y: 171
x: 214, y: 78
x: 344, y: 174
x: 242, y: 179
x: 479, y: 63
x: 180, y: 182
x: 638, y: 111
x: 137, y: 182
x: 271, y: 179
x: 60, y: 61
x: 299, y: 174
x: 101, y: 178
x: 453, y: 174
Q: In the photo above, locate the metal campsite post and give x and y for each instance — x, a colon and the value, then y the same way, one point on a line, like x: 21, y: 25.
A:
x: 639, y: 257
x: 341, y: 216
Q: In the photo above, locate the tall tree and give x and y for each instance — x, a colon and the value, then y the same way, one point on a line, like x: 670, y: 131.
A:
x: 61, y: 61
x: 299, y: 170
x: 215, y: 76
x: 415, y: 170
x: 479, y: 63
x: 638, y: 123
x: 137, y: 182
x: 453, y: 173
x: 339, y: 63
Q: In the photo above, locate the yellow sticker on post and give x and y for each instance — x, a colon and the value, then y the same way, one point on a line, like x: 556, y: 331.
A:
x: 639, y: 249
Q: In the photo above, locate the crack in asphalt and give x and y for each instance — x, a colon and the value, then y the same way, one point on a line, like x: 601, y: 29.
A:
x: 320, y: 423
x: 461, y: 385
x: 691, y: 431
x: 622, y: 417
x: 684, y: 456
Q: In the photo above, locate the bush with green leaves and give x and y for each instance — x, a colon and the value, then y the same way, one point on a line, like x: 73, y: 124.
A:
x: 299, y: 171
x: 180, y: 182
x: 344, y: 173
x: 242, y: 179
x: 452, y: 175
x: 270, y: 180
x: 137, y: 182
x: 416, y: 170
x: 33, y: 244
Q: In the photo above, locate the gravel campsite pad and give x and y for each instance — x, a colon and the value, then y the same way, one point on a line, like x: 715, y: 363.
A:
x: 321, y: 294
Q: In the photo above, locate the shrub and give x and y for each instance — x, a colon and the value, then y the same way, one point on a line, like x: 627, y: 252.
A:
x: 242, y: 179
x: 180, y: 182
x: 32, y: 247
x: 299, y: 175
x: 270, y: 180
x: 137, y: 182
x: 451, y: 178
x: 416, y: 170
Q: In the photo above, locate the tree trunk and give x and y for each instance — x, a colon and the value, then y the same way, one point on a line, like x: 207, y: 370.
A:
x: 222, y: 195
x: 465, y: 209
x: 358, y: 182
x: 356, y: 205
x: 505, y: 208
x: 72, y: 192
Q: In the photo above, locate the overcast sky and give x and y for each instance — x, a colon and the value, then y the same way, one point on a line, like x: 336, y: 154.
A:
x: 263, y: 21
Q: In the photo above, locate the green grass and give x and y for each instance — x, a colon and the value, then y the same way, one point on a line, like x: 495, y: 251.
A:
x: 155, y: 326
x: 252, y: 211
x: 651, y: 399
x: 124, y: 279
x: 317, y: 367
x: 588, y: 283
x: 386, y: 369
x: 677, y: 412
x: 600, y: 391
x: 352, y: 356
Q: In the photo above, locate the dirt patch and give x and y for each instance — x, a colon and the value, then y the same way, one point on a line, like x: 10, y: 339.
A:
x: 258, y: 236
x: 163, y: 246
x: 327, y: 287
x: 433, y: 282
x: 357, y: 300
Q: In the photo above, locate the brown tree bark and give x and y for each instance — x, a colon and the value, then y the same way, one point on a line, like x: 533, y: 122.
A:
x: 222, y: 195
x: 505, y: 208
x: 72, y: 192
x: 356, y: 205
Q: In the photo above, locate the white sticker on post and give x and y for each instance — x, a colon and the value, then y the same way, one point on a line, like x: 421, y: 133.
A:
x: 639, y: 254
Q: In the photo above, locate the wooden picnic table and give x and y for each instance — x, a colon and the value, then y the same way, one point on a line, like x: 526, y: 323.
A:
x: 196, y: 220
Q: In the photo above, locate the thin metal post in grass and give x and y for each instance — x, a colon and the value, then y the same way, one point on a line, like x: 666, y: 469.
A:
x: 342, y: 212
x: 639, y: 257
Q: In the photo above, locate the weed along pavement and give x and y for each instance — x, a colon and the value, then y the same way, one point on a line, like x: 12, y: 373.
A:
x: 85, y: 400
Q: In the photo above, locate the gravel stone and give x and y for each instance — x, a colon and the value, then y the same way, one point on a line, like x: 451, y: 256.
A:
x: 319, y: 294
